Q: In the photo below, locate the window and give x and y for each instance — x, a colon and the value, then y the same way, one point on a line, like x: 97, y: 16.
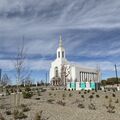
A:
x: 58, y: 54
x: 62, y: 54
x: 56, y: 71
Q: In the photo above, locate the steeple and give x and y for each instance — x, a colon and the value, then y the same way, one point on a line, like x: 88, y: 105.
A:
x: 60, y: 50
x: 60, y: 41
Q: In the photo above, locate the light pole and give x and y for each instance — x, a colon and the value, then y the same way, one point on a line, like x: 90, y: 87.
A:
x: 116, y: 74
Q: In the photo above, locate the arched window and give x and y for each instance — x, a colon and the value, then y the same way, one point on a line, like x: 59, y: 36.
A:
x: 58, y: 54
x: 56, y: 71
x: 62, y: 54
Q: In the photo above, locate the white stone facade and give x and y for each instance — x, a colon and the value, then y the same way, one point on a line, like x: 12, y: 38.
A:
x: 62, y: 71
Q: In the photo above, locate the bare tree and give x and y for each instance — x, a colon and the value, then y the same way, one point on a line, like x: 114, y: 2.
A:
x: 5, y: 80
x: 65, y: 72
x: 22, y: 72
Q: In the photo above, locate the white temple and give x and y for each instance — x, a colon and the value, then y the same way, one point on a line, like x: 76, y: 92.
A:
x: 73, y: 76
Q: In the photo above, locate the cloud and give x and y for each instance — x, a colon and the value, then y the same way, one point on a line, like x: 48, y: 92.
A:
x: 89, y: 28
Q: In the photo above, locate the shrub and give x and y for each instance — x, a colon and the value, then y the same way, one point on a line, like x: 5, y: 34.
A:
x: 110, y: 108
x: 113, y: 95
x: 63, y: 95
x: 19, y: 115
x: 79, y: 92
x: 91, y: 96
x: 38, y: 93
x: 50, y: 101
x: 1, y: 117
x: 117, y: 101
x: 114, y: 90
x: 88, y: 91
x: 37, y: 98
x: 65, y: 89
x: 27, y: 95
x: 81, y: 105
x: 23, y: 105
x: 61, y: 103
x: 27, y: 89
x: 108, y: 89
x: 26, y: 109
x: 7, y: 92
x: 84, y: 92
x: 52, y: 88
x: 39, y: 116
x: 106, y: 97
x: 104, y: 90
x: 43, y: 90
x: 8, y: 112
x: 92, y: 106
x: 77, y: 101
x: 70, y: 94
x: 50, y: 94
x: 82, y: 96
x: 97, y: 96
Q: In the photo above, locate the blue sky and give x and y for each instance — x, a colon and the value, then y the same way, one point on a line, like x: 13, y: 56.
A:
x: 90, y: 31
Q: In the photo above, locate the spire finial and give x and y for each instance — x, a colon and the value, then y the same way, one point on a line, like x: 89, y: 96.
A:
x: 60, y: 41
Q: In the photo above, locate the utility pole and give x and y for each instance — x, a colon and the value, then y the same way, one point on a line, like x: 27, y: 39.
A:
x: 46, y: 79
x: 116, y: 73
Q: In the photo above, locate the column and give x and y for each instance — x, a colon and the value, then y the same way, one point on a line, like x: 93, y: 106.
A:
x: 87, y: 77
x: 80, y: 76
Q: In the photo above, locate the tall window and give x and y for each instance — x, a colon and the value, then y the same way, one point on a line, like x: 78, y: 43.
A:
x: 56, y: 71
x: 62, y: 54
x: 58, y: 54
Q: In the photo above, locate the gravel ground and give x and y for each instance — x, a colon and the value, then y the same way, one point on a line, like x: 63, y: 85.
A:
x: 71, y: 111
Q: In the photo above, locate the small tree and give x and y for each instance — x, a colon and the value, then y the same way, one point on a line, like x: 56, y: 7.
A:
x: 65, y: 72
x: 5, y: 80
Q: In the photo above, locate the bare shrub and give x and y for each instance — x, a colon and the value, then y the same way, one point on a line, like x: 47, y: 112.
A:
x: 1, y: 117
x: 110, y: 108
x: 52, y: 88
x: 64, y: 95
x: 117, y: 101
x: 26, y: 109
x: 70, y: 94
x: 27, y: 95
x: 50, y: 101
x: 92, y: 106
x: 50, y: 94
x: 39, y: 116
x: 60, y: 102
x: 19, y: 115
x: 81, y: 105
x: 76, y: 101
x: 91, y: 97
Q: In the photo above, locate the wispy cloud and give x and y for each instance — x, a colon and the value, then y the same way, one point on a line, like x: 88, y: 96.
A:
x: 90, y: 28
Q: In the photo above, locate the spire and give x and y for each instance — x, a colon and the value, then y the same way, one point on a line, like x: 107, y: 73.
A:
x: 60, y: 41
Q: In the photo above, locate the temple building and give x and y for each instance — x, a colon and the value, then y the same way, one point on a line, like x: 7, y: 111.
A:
x: 64, y: 73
